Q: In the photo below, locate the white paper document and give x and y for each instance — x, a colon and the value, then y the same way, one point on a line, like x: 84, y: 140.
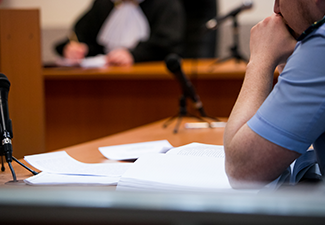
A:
x: 200, y: 125
x: 165, y: 172
x: 134, y: 151
x: 60, y: 168
x: 62, y: 163
x: 200, y: 150
x: 97, y: 61
x: 94, y: 62
x: 193, y: 167
x: 45, y: 178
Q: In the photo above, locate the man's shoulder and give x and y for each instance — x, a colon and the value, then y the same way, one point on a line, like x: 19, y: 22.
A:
x: 321, y: 30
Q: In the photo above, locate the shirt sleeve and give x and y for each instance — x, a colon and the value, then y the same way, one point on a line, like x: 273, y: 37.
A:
x: 293, y: 115
x: 88, y: 26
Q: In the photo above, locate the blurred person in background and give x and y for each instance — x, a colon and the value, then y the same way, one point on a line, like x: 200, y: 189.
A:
x: 127, y: 31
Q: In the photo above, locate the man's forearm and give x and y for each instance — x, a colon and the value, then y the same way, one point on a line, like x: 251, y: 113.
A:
x: 257, y: 85
x: 240, y: 143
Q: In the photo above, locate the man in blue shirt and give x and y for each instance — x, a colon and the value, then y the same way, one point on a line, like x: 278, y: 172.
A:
x: 271, y: 127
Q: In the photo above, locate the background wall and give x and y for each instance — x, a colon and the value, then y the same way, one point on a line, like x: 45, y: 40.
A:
x: 58, y: 16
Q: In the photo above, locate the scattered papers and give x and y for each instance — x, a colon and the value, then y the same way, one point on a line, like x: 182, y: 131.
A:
x: 194, y: 167
x: 59, y: 168
x: 60, y: 163
x: 134, y: 151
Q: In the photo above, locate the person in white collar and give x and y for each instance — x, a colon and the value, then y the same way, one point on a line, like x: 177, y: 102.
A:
x: 271, y: 127
x: 127, y: 31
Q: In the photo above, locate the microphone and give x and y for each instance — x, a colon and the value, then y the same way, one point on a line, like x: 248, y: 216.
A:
x: 5, y: 121
x: 173, y: 63
x: 215, y: 22
x: 6, y: 128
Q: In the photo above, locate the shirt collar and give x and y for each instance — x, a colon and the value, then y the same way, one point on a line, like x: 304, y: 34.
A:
x: 310, y: 29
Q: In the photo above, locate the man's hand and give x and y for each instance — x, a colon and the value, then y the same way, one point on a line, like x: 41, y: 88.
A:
x: 281, y: 67
x: 120, y: 57
x: 271, y: 42
x: 75, y: 50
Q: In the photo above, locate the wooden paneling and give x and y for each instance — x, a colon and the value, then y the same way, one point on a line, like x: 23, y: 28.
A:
x: 85, y: 104
x: 82, y: 110
x: 20, y: 61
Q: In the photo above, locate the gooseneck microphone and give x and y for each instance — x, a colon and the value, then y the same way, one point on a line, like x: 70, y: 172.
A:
x: 173, y: 64
x: 215, y: 22
x: 6, y: 129
x: 5, y: 121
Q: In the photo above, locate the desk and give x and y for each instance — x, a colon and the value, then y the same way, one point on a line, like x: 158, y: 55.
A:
x: 88, y: 152
x: 98, y: 205
x: 85, y: 104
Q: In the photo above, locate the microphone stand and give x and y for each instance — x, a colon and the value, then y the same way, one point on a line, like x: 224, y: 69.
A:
x: 183, y: 113
x: 6, y: 147
x: 234, y: 49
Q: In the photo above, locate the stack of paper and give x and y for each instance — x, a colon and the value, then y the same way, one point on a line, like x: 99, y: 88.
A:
x: 60, y: 168
x: 194, y: 167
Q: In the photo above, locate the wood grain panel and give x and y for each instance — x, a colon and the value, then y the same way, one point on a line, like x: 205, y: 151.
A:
x: 20, y: 61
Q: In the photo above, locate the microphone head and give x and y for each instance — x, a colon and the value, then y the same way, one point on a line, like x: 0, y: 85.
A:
x: 173, y: 63
x: 248, y: 4
x: 4, y: 82
x: 212, y: 24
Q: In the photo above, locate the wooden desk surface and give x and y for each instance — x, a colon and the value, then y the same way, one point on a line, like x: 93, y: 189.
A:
x: 203, y: 68
x: 88, y: 152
